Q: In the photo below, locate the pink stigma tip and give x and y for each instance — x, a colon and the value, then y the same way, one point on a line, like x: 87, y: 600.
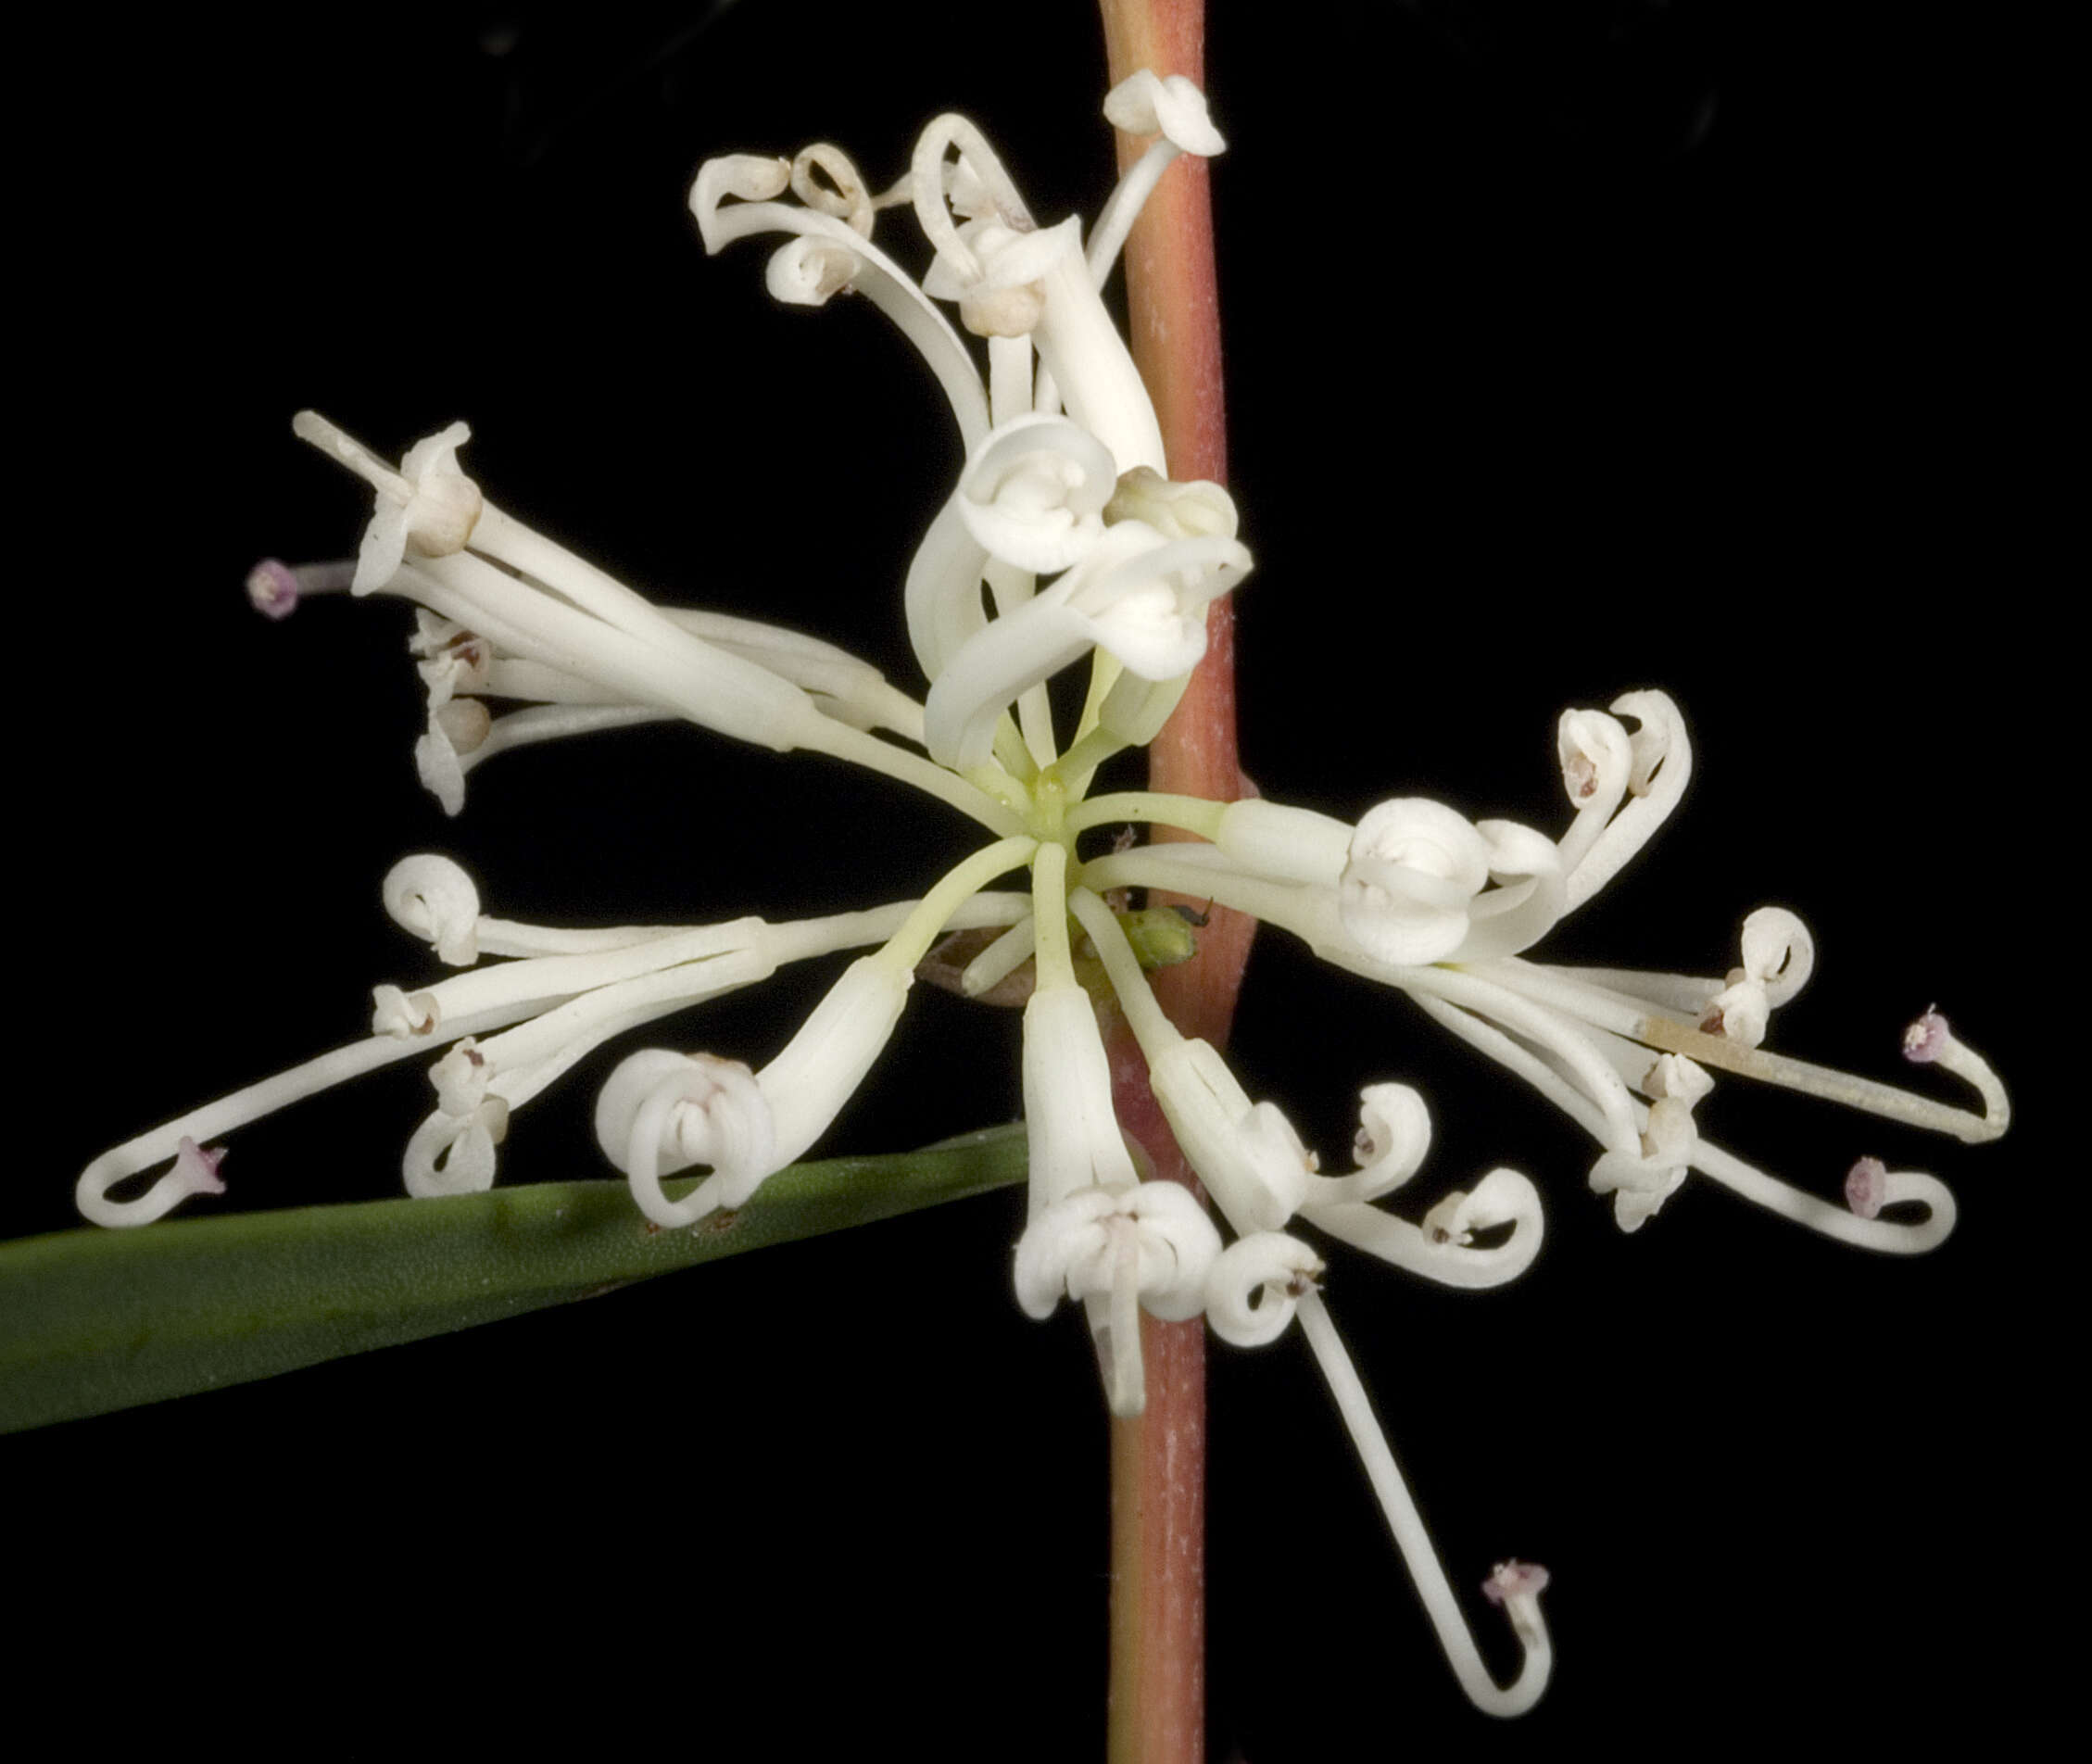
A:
x: 272, y: 589
x: 1925, y: 1039
x: 1866, y: 1187
x: 200, y: 1166
x: 1515, y: 1579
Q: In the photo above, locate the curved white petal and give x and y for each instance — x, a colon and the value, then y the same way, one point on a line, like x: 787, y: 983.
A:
x: 822, y: 1065
x: 434, y: 898
x: 455, y: 1154
x: 1073, y: 1137
x: 1528, y: 899
x: 662, y: 1112
x: 880, y: 280
x: 1257, y: 1285
x: 1597, y: 760
x: 1246, y: 1153
x: 1438, y: 1249
x: 1394, y: 1135
x: 1779, y: 952
x: 1033, y: 493
x: 1413, y: 869
x: 1662, y: 766
x: 1137, y: 596
x: 941, y: 597
x: 810, y: 273
x: 1143, y: 103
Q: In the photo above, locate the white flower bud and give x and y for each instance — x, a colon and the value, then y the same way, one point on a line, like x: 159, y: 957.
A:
x: 1013, y: 312
x: 1193, y: 511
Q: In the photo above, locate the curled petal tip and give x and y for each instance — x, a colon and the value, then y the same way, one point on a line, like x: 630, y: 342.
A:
x: 432, y: 897
x: 1778, y: 954
x: 456, y: 1154
x: 744, y: 177
x: 1257, y: 1285
x: 1739, y: 1013
x: 460, y: 1077
x: 194, y: 1171
x: 807, y: 272
x: 1145, y: 103
x: 661, y: 1111
x: 1394, y: 1132
x: 1596, y: 754
x: 400, y: 1013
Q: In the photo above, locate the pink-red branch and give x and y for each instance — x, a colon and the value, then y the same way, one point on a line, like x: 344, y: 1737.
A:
x: 1158, y: 1458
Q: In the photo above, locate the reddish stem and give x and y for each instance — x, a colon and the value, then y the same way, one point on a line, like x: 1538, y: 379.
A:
x: 1158, y: 1458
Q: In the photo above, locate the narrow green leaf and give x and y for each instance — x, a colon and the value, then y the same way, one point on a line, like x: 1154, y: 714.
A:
x: 94, y: 1320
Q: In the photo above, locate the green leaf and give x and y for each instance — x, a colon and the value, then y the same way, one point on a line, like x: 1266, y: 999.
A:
x: 94, y: 1320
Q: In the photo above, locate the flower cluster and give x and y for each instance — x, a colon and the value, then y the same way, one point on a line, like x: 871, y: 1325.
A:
x: 1065, y: 542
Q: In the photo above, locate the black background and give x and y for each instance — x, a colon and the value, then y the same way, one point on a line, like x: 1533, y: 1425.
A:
x: 1573, y: 348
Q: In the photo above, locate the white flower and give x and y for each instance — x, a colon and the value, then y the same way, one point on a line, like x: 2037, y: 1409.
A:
x: 1455, y: 900
x: 1064, y: 542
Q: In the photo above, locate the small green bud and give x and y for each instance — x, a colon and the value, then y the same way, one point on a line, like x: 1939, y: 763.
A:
x: 1161, y: 936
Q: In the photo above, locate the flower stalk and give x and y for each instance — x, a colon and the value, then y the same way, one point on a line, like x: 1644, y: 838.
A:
x: 1157, y: 1705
